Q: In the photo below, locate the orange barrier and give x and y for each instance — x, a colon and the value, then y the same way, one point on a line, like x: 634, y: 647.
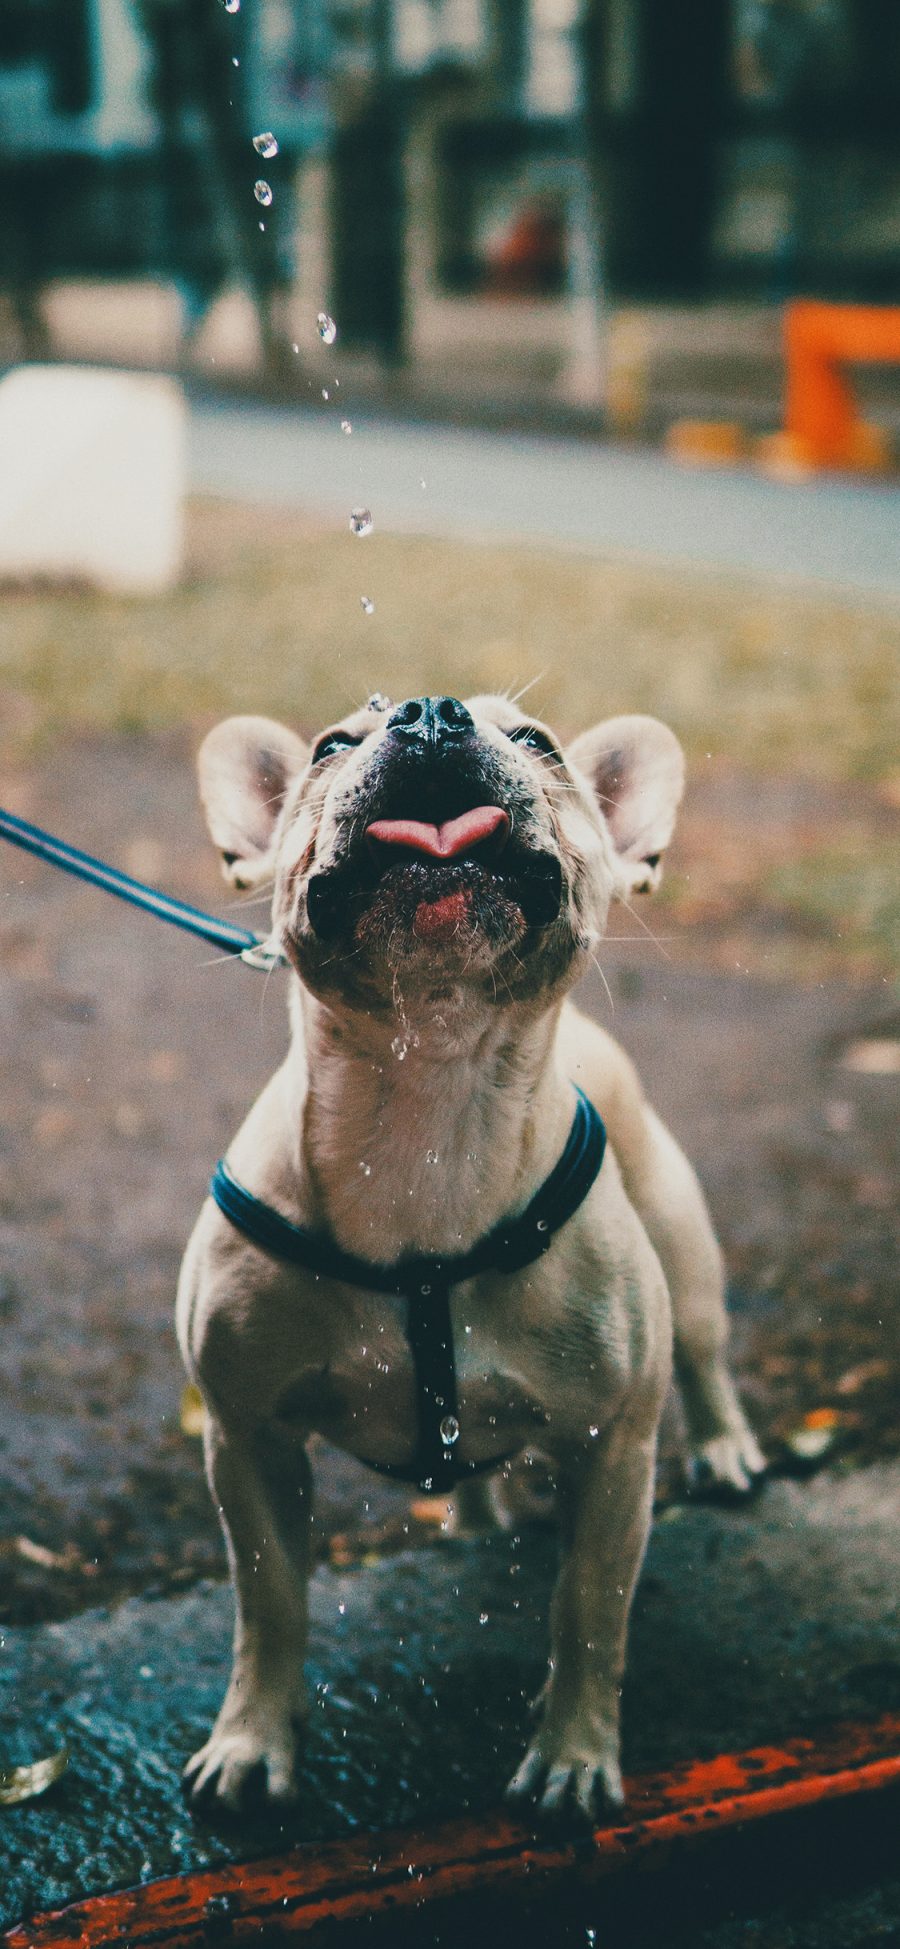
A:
x: 313, y: 1890
x: 822, y: 425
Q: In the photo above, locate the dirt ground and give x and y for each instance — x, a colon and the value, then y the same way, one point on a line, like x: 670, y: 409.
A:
x: 130, y: 1053
x: 757, y: 995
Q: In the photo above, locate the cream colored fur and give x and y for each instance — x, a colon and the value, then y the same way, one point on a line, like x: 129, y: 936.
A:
x: 414, y: 1126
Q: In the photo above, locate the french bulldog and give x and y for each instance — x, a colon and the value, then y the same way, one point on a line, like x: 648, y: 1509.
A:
x: 442, y: 876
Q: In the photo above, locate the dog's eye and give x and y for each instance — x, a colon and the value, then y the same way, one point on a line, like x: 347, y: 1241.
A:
x: 332, y: 742
x: 536, y: 740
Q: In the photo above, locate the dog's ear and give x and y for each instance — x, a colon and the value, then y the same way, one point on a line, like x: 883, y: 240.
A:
x: 635, y: 765
x: 245, y: 767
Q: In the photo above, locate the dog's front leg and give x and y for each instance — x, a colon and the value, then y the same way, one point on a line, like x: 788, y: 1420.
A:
x: 262, y: 1489
x: 606, y: 1502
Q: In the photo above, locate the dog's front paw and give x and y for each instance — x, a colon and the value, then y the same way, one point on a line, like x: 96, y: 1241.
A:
x: 582, y: 1785
x: 729, y: 1465
x: 250, y: 1757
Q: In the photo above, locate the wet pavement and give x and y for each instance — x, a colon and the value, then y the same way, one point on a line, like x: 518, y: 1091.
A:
x: 420, y: 1667
x: 129, y: 1057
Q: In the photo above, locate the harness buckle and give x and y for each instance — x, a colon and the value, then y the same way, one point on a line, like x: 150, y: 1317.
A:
x: 264, y: 956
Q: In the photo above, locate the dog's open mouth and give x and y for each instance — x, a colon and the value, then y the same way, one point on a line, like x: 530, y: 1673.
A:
x: 459, y: 871
x: 477, y: 835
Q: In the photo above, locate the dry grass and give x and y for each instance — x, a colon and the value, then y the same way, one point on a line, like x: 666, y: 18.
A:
x: 751, y: 676
x: 269, y: 618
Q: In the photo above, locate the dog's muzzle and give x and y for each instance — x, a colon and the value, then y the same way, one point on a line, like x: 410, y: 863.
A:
x: 440, y: 830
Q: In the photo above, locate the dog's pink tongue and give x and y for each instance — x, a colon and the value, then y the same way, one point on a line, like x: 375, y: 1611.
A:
x: 442, y: 842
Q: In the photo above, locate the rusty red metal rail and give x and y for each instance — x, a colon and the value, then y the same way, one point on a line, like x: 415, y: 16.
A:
x: 345, y: 1881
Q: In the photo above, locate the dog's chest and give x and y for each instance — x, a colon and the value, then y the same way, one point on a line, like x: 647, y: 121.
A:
x: 367, y: 1395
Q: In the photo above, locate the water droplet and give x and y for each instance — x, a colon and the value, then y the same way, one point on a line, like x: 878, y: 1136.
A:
x: 346, y: 426
x: 361, y: 522
x: 593, y: 1431
x: 265, y: 145
x: 542, y: 1225
x: 483, y: 1617
x: 263, y: 192
x: 431, y: 1157
x: 366, y: 1170
x: 296, y: 348
x: 425, y: 1290
x: 341, y: 1608
x: 449, y: 1430
x: 232, y: 6
x: 324, y: 392
x: 378, y: 702
x: 326, y: 328
x: 399, y: 1047
x: 367, y: 605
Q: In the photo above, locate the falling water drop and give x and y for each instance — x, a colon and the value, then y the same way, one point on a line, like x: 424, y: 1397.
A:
x: 449, y: 1430
x: 367, y: 605
x: 431, y: 1157
x: 232, y: 6
x: 361, y: 522
x: 346, y: 427
x: 326, y: 328
x: 265, y: 145
x: 263, y: 192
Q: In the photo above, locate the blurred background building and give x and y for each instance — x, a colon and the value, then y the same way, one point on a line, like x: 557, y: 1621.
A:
x: 454, y: 178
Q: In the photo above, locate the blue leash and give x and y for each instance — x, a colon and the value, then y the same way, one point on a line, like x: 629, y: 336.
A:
x: 250, y: 947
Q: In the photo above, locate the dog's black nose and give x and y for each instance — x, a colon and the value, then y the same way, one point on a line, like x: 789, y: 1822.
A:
x: 429, y: 720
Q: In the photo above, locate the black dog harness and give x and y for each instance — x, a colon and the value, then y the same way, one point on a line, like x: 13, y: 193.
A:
x: 425, y: 1283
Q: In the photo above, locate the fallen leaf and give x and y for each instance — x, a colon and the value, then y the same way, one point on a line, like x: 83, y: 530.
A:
x: 165, y: 1066
x: 861, y: 1376
x: 18, y: 1783
x: 875, y: 1055
x: 192, y: 1412
x: 816, y: 1435
x: 67, y: 1559
x: 425, y: 1509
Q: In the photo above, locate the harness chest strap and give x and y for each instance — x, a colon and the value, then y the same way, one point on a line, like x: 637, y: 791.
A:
x: 425, y: 1282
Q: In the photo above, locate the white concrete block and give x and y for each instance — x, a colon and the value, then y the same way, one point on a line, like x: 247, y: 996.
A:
x: 92, y: 477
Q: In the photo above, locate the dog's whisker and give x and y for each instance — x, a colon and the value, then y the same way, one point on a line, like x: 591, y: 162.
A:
x: 656, y: 939
x: 221, y: 961
x: 252, y: 900
x: 526, y: 687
